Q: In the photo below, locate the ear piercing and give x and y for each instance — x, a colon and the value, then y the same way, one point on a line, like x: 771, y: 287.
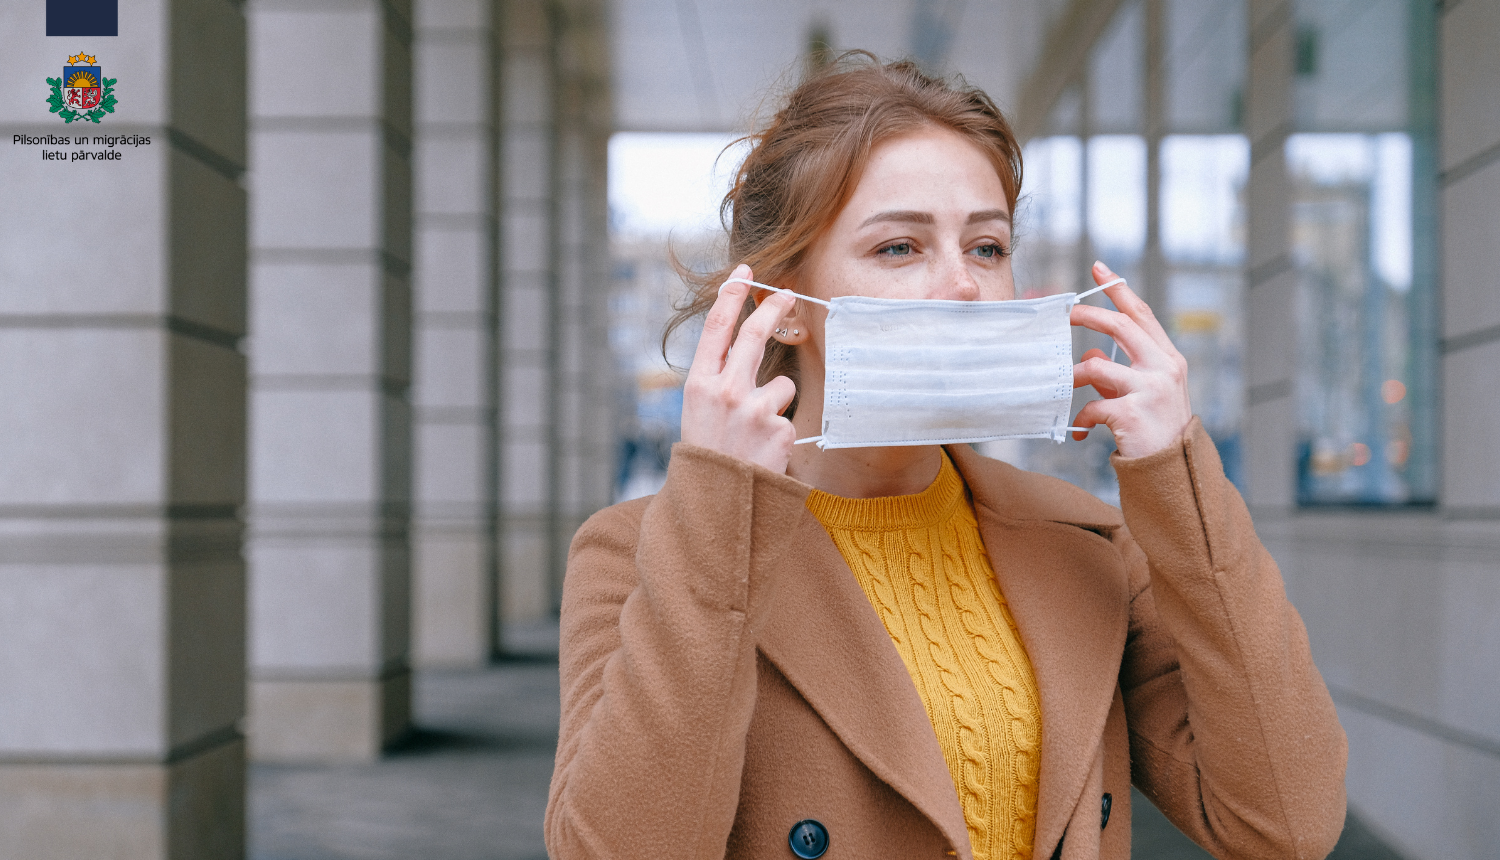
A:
x: 783, y: 332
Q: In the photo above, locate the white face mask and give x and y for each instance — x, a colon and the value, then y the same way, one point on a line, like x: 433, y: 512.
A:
x: 935, y: 372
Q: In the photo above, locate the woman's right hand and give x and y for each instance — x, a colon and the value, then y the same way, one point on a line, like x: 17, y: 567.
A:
x: 722, y: 408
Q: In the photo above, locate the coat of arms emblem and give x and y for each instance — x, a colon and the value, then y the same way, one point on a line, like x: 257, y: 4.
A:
x: 82, y: 92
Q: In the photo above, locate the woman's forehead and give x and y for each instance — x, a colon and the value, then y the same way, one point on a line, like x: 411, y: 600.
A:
x: 932, y: 171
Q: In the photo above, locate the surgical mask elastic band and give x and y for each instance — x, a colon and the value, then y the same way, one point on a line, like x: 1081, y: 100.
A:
x: 774, y: 290
x: 1080, y: 296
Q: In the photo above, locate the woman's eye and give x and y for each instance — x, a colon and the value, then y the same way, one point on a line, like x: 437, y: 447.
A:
x: 896, y: 249
x: 990, y: 250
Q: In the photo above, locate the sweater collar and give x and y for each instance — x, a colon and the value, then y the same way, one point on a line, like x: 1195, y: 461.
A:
x: 932, y: 506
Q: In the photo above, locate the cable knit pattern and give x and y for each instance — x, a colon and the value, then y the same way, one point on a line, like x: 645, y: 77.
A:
x: 922, y: 564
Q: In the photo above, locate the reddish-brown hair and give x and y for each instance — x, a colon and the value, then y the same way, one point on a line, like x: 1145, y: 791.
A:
x: 804, y: 165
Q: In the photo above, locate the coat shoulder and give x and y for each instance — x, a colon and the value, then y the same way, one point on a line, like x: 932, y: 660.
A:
x: 623, y: 518
x: 603, y: 544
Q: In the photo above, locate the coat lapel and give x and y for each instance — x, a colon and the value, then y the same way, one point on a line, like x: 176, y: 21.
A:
x: 1069, y: 594
x: 826, y: 639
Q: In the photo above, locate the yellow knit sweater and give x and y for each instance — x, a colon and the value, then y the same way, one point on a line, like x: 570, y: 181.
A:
x: 921, y: 562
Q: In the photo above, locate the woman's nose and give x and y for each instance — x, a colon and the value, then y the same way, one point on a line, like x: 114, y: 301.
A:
x: 954, y: 281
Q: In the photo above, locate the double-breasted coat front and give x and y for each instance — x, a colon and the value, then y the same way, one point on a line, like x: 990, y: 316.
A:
x: 724, y: 677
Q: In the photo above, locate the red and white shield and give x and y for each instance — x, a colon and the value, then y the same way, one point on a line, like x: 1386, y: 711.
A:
x: 82, y: 99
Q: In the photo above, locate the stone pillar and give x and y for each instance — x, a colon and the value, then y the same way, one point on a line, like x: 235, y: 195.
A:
x: 584, y: 368
x: 1153, y: 264
x: 1271, y: 279
x: 528, y: 289
x: 122, y: 445
x: 556, y: 462
x: 455, y: 281
x: 1470, y: 182
x: 330, y: 418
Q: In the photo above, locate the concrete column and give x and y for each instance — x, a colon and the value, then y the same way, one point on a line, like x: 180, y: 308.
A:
x: 528, y: 289
x: 455, y: 281
x: 1470, y: 254
x: 584, y: 369
x: 556, y: 461
x: 330, y: 359
x: 1153, y: 265
x: 1271, y: 279
x: 122, y: 440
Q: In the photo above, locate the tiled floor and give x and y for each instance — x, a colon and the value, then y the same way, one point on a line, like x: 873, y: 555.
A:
x: 472, y: 785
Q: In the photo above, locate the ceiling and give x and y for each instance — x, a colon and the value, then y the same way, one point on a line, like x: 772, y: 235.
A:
x: 707, y: 65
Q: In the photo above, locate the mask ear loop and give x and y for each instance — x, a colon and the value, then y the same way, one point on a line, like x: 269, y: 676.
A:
x: 774, y: 290
x: 1114, y: 348
x: 747, y: 282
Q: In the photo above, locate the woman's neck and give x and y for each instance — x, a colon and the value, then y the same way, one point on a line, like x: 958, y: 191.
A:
x: 866, y: 473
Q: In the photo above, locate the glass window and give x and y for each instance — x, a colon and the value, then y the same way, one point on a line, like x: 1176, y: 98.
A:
x: 1049, y: 224
x: 1364, y: 288
x: 1117, y: 199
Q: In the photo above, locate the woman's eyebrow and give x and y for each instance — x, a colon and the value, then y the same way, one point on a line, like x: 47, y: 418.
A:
x: 909, y: 216
x: 989, y: 215
x: 905, y: 216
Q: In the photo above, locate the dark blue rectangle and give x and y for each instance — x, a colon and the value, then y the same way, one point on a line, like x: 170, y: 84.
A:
x: 83, y: 17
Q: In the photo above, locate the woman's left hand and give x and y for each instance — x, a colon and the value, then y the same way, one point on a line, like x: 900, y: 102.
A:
x: 1145, y: 404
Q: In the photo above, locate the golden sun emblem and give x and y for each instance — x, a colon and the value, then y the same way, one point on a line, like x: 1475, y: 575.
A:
x: 82, y: 79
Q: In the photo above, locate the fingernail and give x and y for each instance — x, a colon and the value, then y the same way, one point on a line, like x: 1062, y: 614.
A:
x: 1101, y: 268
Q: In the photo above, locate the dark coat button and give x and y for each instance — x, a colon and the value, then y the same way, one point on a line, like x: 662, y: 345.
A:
x: 809, y: 839
x: 1105, y: 805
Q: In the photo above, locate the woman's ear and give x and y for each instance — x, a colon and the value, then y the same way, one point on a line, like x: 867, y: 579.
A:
x: 791, y: 329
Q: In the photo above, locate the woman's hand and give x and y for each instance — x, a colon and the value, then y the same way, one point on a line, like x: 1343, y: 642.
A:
x: 1145, y: 404
x: 722, y: 408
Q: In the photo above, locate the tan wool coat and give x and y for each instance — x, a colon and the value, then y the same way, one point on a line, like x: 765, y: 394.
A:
x: 724, y: 677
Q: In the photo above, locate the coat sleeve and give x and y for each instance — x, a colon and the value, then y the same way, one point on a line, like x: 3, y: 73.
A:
x: 1232, y: 732
x: 660, y: 612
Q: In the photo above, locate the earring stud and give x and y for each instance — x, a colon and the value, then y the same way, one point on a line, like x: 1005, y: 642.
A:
x: 781, y: 331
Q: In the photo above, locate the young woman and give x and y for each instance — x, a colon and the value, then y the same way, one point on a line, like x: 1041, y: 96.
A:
x: 915, y: 651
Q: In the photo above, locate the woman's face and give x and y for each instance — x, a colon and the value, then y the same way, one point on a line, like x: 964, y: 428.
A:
x: 928, y: 220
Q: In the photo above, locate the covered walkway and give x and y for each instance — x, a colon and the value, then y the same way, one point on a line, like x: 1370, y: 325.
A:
x: 470, y: 783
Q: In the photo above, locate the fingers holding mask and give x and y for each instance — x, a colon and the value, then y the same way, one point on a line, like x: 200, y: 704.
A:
x: 750, y: 346
x: 722, y: 407
x: 1134, y: 307
x: 1107, y: 377
x: 718, y: 326
x: 1146, y: 404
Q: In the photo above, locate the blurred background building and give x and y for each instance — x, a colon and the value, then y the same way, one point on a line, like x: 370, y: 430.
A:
x: 305, y: 398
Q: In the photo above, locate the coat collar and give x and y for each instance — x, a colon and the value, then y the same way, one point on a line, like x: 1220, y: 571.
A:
x: 1068, y: 593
